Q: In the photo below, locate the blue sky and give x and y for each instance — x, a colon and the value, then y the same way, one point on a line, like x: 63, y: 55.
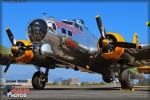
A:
x: 121, y: 17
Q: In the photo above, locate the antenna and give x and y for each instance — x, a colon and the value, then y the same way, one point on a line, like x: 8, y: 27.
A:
x: 44, y: 15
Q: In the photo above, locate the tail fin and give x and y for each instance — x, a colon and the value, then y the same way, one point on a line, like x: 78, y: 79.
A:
x: 136, y: 40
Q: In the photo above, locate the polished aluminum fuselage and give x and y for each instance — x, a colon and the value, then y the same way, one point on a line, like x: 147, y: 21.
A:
x: 79, y: 55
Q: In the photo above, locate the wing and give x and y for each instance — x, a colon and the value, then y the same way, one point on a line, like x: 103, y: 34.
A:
x: 63, y: 65
x: 5, y: 58
x: 142, y: 58
x: 144, y: 69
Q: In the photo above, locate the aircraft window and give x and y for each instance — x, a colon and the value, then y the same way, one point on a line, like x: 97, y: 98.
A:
x: 86, y: 27
x: 79, y: 22
x: 69, y: 33
x: 81, y: 28
x: 76, y: 25
x: 82, y: 21
x: 54, y: 26
x: 63, y: 30
x: 37, y: 30
x: 67, y: 22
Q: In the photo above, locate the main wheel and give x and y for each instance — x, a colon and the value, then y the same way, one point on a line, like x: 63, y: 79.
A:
x: 38, y: 80
x: 107, y: 79
x: 126, y: 79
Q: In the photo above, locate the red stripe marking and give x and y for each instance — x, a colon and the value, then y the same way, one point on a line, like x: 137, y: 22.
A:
x: 71, y: 43
x: 63, y: 25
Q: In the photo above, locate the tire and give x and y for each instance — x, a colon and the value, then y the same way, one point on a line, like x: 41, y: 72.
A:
x: 107, y: 79
x: 37, y: 82
x: 126, y: 80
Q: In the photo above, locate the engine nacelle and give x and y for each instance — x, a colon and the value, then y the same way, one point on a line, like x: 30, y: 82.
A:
x: 33, y: 52
x: 42, y: 54
x: 115, y: 52
x: 46, y: 50
x: 43, y: 50
x: 25, y: 56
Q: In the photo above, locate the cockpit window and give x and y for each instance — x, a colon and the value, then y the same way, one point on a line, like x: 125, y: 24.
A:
x: 76, y: 25
x: 79, y: 22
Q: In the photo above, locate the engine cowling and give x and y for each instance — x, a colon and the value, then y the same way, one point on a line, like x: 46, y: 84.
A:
x: 110, y: 51
x: 22, y: 55
x: 26, y: 52
x: 43, y: 52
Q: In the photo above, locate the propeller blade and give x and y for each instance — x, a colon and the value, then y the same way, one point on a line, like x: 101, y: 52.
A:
x: 101, y: 27
x: 124, y: 44
x: 99, y: 52
x: 11, y: 37
x: 8, y: 65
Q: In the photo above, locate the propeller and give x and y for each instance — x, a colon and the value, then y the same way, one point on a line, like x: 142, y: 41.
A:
x: 11, y: 37
x: 124, y: 44
x: 101, y: 27
x: 8, y: 65
x: 13, y: 42
x: 17, y: 49
x: 105, y: 40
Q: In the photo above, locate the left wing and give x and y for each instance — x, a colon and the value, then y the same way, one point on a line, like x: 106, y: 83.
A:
x: 142, y: 58
x: 74, y: 67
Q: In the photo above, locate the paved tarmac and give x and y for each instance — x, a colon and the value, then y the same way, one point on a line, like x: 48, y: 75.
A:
x: 88, y: 93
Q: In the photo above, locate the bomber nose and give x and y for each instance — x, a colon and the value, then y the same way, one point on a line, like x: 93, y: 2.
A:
x: 37, y: 30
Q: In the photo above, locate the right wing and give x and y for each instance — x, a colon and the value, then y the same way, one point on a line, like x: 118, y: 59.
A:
x: 4, y: 59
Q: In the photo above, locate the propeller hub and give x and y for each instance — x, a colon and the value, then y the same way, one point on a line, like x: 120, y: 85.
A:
x: 14, y: 49
x: 105, y: 42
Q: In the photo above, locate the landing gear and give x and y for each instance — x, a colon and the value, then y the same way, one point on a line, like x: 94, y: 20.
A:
x: 126, y: 79
x: 76, y: 68
x: 107, y: 79
x: 40, y: 79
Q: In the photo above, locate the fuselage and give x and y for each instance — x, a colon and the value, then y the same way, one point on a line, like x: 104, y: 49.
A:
x: 70, y: 41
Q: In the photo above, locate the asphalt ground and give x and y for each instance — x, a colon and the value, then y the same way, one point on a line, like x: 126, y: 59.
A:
x: 86, y: 93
